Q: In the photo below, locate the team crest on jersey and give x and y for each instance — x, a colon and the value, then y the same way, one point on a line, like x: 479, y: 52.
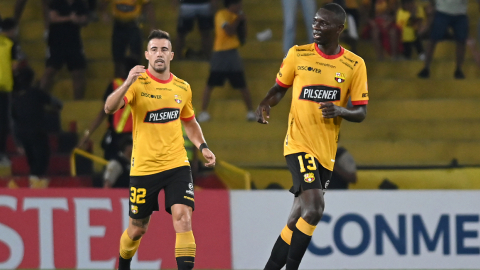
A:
x: 309, y: 177
x: 178, y: 99
x: 134, y: 209
x: 339, y: 77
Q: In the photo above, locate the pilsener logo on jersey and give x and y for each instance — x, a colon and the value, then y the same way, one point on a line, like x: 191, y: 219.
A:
x: 161, y: 116
x: 320, y: 93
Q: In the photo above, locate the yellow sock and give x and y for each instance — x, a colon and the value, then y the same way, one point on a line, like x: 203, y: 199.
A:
x: 185, y: 245
x: 128, y: 247
x: 286, y: 235
x: 304, y: 227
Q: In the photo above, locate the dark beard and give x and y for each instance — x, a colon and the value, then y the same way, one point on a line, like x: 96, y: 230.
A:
x: 159, y: 70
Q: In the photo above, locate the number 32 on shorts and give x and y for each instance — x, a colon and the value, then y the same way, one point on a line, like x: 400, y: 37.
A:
x: 137, y: 195
x: 310, y: 160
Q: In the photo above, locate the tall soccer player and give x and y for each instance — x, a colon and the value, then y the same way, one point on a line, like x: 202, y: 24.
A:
x: 323, y: 75
x: 158, y: 101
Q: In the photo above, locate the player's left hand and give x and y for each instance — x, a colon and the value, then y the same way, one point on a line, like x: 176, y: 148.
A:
x: 209, y: 156
x: 330, y: 110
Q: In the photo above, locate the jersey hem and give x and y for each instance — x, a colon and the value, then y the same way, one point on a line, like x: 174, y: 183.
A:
x: 360, y: 102
x: 158, y: 80
x: 282, y: 84
x: 167, y: 169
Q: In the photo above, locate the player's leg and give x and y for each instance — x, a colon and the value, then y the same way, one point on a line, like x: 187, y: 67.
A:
x: 185, y: 247
x: 312, y: 205
x: 180, y: 203
x: 309, y: 178
x: 278, y: 257
x: 143, y: 201
x: 215, y: 78
x: 130, y: 241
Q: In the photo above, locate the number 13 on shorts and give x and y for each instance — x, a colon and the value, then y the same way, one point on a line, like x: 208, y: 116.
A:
x: 137, y: 195
x: 309, y: 160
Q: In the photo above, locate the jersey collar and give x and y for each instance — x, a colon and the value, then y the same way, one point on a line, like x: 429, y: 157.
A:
x: 158, y: 80
x: 326, y: 56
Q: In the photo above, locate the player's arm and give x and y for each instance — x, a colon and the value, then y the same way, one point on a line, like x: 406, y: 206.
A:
x: 357, y: 113
x: 195, y: 134
x: 115, y: 100
x: 273, y: 97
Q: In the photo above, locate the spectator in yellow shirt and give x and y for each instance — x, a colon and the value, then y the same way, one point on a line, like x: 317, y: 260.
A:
x: 226, y: 64
x: 411, y: 19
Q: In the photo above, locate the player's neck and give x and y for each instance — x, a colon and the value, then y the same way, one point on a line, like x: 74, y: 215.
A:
x: 330, y: 48
x: 161, y: 76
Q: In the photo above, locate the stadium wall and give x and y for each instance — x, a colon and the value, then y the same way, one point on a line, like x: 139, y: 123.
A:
x: 67, y: 228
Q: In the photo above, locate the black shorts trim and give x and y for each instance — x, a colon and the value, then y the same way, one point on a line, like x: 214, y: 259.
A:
x: 144, y: 190
x: 306, y: 175
x: 236, y: 79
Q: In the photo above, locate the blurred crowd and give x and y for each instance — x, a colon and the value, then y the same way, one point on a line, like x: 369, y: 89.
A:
x: 398, y: 30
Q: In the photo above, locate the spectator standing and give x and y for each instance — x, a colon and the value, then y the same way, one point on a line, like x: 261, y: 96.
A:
x: 65, y: 44
x: 120, y: 123
x: 117, y: 172
x: 344, y: 171
x: 382, y: 28
x: 230, y: 29
x: 28, y: 112
x: 411, y: 19
x: 8, y: 57
x: 126, y: 30
x: 202, y: 11
x: 309, y: 7
x: 448, y: 14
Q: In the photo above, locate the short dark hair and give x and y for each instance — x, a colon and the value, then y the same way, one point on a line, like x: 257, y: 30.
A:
x: 338, y: 10
x: 160, y: 34
x: 227, y: 3
x: 8, y: 24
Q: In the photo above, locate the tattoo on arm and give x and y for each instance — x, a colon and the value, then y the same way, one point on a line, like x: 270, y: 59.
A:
x: 142, y: 223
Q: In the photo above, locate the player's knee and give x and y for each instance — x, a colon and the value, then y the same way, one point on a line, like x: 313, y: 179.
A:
x: 313, y: 214
x: 136, y: 233
x: 182, y: 218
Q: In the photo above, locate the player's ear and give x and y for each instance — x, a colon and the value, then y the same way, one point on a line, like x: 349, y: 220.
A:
x: 171, y: 56
x: 146, y: 55
x: 340, y: 28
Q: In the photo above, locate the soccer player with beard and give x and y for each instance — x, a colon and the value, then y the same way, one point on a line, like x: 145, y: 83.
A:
x: 323, y: 75
x: 159, y: 100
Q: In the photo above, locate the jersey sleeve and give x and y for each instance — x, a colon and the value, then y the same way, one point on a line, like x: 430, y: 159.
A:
x: 187, y: 113
x: 129, y: 97
x: 286, y: 74
x: 359, y: 86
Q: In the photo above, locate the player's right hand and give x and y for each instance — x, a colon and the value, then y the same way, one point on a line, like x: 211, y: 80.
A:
x: 263, y: 107
x: 135, y: 73
x: 209, y: 156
